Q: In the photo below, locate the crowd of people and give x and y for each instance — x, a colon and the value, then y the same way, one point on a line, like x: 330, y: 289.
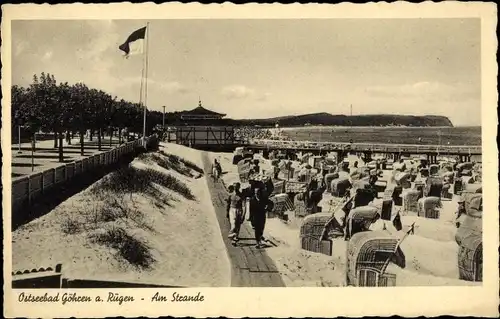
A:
x: 249, y: 132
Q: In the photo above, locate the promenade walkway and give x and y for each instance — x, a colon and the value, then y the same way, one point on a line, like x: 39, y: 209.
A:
x: 364, y: 147
x: 250, y: 267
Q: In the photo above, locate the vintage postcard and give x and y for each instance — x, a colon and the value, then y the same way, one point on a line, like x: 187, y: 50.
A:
x: 250, y: 160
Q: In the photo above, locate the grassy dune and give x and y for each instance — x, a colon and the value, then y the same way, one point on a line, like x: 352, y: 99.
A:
x: 146, y: 222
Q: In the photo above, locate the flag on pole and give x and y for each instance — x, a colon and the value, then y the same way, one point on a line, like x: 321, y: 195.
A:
x: 134, y: 43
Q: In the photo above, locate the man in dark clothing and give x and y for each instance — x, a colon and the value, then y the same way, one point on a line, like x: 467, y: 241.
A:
x: 255, y: 166
x: 461, y: 211
x: 254, y: 184
x: 216, y: 170
x: 371, y: 185
x: 314, y: 195
x: 259, y: 204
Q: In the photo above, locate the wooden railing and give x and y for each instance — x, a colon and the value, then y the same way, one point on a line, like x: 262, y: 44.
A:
x: 27, y: 189
x: 379, y: 147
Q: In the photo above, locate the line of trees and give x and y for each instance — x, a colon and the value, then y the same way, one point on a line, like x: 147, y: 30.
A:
x: 64, y: 109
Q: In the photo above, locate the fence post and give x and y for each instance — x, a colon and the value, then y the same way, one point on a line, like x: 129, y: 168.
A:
x: 29, y: 190
x: 42, y: 181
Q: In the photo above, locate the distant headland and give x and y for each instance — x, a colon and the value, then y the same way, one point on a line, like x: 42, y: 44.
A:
x: 355, y: 120
x: 209, y: 117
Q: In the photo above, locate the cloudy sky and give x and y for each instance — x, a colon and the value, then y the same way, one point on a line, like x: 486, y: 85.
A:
x: 265, y: 68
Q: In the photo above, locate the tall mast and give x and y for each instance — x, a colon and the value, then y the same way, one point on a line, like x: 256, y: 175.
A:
x: 146, y: 85
x: 350, y: 120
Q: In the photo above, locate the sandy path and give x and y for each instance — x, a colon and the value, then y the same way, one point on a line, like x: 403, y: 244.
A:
x: 250, y: 267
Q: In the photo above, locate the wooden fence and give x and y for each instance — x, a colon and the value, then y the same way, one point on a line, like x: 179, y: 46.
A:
x: 53, y: 278
x: 25, y: 190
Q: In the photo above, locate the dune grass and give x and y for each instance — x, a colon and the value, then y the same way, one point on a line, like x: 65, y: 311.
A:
x: 100, y: 218
x: 132, y: 249
x: 71, y: 226
x: 129, y: 180
x: 170, y: 182
x: 178, y: 162
x: 172, y: 162
x: 100, y: 211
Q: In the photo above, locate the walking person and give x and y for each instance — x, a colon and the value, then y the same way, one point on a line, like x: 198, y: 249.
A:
x: 218, y: 167
x: 68, y: 138
x: 276, y: 171
x: 216, y: 170
x: 259, y: 205
x: 372, y: 180
x: 248, y: 196
x: 460, y: 212
x: 235, y: 212
x: 230, y: 190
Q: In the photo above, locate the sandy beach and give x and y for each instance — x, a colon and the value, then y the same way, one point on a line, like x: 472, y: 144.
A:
x: 187, y: 247
x: 431, y: 253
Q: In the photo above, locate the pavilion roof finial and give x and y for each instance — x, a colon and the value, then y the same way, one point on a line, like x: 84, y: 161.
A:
x: 199, y: 101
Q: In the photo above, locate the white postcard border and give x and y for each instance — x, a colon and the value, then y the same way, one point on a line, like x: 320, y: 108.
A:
x: 279, y: 302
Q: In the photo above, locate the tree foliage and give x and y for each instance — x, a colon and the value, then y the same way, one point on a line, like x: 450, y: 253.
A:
x: 48, y: 106
x: 52, y: 107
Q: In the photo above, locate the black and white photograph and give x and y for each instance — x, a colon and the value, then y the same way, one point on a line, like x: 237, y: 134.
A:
x: 233, y: 152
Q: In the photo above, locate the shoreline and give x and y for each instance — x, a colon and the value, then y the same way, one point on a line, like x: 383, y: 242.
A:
x: 371, y: 127
x: 425, y: 136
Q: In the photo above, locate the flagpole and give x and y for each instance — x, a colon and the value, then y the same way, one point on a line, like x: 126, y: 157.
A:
x: 141, y: 100
x: 146, y: 86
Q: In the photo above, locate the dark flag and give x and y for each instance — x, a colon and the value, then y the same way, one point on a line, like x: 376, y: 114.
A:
x: 134, y: 43
x: 396, y: 222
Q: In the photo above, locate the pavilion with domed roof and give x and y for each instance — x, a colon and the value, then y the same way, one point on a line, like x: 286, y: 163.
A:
x: 201, y: 113
x: 204, y: 129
